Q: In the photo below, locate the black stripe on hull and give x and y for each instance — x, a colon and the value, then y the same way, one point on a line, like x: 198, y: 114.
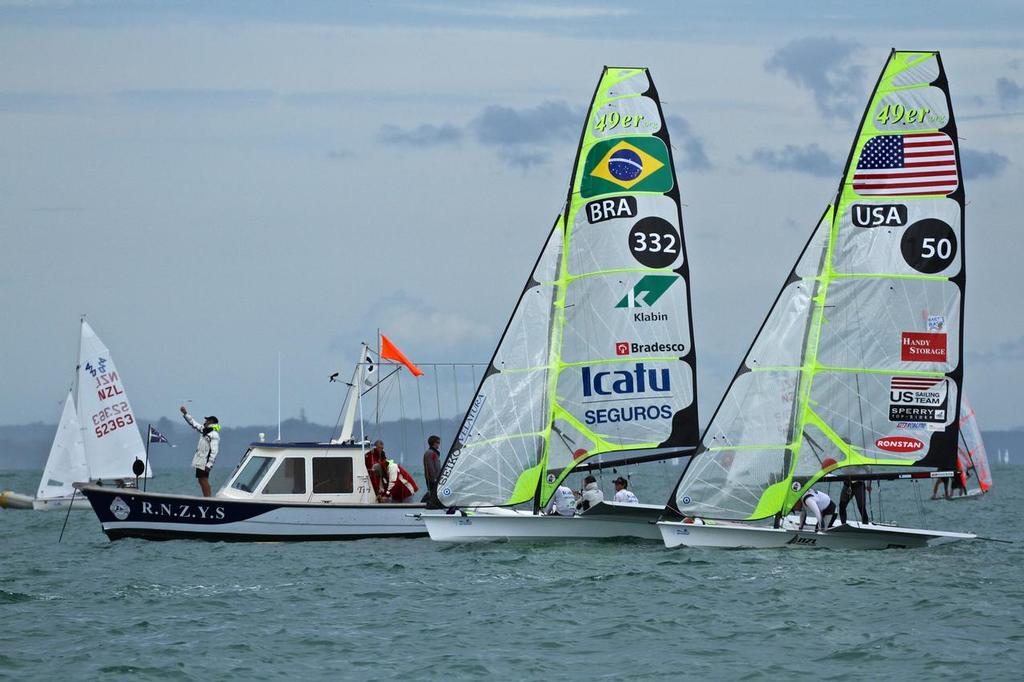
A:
x: 161, y: 534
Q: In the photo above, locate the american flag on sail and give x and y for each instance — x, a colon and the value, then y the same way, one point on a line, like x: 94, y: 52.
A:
x: 906, y: 165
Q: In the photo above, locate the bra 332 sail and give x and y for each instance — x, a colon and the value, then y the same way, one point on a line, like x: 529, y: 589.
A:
x: 598, y: 356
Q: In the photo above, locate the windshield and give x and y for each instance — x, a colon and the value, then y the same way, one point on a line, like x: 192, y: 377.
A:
x: 252, y: 473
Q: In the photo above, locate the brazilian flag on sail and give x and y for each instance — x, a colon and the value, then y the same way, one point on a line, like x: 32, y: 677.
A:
x: 632, y: 164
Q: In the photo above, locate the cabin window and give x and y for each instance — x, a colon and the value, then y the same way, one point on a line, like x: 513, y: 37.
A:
x: 289, y: 479
x: 332, y: 475
x: 252, y: 473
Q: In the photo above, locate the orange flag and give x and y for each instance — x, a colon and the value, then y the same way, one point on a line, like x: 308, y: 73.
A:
x: 389, y: 351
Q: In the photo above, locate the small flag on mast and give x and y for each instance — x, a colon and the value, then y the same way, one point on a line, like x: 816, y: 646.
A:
x: 156, y: 437
x: 389, y: 351
x: 368, y: 368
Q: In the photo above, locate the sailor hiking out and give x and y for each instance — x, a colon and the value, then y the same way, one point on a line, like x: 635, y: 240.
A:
x: 206, y: 448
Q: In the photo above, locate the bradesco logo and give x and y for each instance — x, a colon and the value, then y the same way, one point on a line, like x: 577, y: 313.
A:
x: 625, y: 382
x: 899, y: 444
x: 645, y: 294
x: 628, y: 348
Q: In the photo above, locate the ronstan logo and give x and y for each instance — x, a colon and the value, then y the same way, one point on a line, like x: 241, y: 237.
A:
x: 899, y: 444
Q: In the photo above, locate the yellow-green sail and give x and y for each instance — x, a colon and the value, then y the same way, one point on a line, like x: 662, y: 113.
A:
x: 598, y: 357
x: 857, y: 366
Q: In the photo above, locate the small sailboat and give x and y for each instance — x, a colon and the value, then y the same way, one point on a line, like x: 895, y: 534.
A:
x: 856, y: 372
x: 596, y: 367
x: 97, y: 438
x: 972, y: 460
x: 278, y: 492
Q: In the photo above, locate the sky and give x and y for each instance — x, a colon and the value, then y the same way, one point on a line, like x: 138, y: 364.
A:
x: 218, y: 183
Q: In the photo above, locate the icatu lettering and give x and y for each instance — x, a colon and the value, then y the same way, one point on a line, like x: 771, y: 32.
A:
x: 625, y: 382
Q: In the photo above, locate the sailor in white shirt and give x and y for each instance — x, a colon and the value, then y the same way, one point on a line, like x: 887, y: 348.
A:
x: 563, y: 502
x: 590, y: 495
x: 623, y: 495
x: 819, y: 504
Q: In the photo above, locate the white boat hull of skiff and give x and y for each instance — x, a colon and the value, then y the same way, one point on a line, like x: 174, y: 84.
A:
x: 850, y: 536
x: 78, y: 503
x: 606, y: 520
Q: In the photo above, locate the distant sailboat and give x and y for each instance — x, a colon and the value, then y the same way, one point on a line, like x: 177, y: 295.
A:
x: 972, y: 460
x: 856, y: 372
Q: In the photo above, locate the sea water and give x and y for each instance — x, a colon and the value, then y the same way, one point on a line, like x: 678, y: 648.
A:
x: 87, y: 608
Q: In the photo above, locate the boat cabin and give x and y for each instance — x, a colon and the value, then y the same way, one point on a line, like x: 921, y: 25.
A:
x: 301, y: 472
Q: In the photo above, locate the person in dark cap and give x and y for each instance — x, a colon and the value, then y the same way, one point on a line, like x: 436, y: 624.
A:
x: 590, y: 495
x: 206, y: 449
x: 622, y: 494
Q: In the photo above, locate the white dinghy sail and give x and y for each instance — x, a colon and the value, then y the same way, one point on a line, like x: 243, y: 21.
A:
x: 856, y: 371
x: 109, y: 428
x: 66, y: 464
x: 596, y: 366
x: 972, y: 460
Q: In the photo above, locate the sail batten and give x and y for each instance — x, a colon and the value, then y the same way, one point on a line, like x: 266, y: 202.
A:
x: 611, y: 365
x: 857, y: 365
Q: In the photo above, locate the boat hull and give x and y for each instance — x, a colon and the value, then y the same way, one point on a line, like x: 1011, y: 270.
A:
x: 155, y: 516
x: 12, y: 500
x: 850, y: 536
x: 78, y: 503
x: 605, y: 520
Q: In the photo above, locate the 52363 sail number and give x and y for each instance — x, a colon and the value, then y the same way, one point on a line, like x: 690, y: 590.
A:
x: 112, y: 418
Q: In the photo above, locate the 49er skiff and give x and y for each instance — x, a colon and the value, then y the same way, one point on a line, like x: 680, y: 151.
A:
x: 856, y: 372
x: 596, y: 367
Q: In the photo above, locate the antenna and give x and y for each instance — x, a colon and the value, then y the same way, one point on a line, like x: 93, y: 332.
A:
x: 279, y: 396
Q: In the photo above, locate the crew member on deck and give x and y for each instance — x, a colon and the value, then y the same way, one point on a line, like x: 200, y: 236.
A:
x: 819, y: 504
x: 432, y: 471
x: 622, y: 493
x: 563, y: 502
x: 206, y: 448
x: 399, y: 485
x: 376, y: 466
x: 590, y: 495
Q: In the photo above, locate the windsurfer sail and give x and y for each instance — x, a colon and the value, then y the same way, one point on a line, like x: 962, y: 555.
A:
x: 857, y: 367
x: 597, y: 361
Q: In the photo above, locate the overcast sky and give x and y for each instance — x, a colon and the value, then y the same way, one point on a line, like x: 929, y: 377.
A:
x: 215, y: 183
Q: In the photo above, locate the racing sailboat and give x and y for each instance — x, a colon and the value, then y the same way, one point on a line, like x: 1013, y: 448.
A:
x: 972, y: 460
x: 596, y: 367
x: 856, y: 372
x: 98, y: 438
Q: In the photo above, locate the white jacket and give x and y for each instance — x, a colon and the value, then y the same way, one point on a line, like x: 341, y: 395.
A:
x: 591, y: 494
x: 562, y: 502
x: 207, y: 447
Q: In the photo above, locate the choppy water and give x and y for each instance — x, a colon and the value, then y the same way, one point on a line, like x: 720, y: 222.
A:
x: 412, y: 609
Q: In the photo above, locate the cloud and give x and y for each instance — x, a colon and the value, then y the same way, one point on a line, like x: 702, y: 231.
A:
x: 810, y: 159
x: 1009, y: 93
x: 498, y: 125
x: 691, y: 148
x: 424, y: 135
x: 1007, y: 351
x: 422, y: 330
x: 339, y: 154
x: 978, y: 164
x: 821, y: 65
x: 527, y: 11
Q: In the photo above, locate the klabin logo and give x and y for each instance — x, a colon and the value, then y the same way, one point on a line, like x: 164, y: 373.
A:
x: 120, y: 509
x: 646, y: 293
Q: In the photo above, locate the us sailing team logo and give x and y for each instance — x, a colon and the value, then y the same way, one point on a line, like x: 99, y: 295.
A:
x: 639, y: 164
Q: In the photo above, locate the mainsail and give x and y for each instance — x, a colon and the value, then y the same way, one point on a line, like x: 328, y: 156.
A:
x: 109, y: 429
x: 598, y: 357
x: 972, y: 460
x: 66, y: 464
x: 857, y: 367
